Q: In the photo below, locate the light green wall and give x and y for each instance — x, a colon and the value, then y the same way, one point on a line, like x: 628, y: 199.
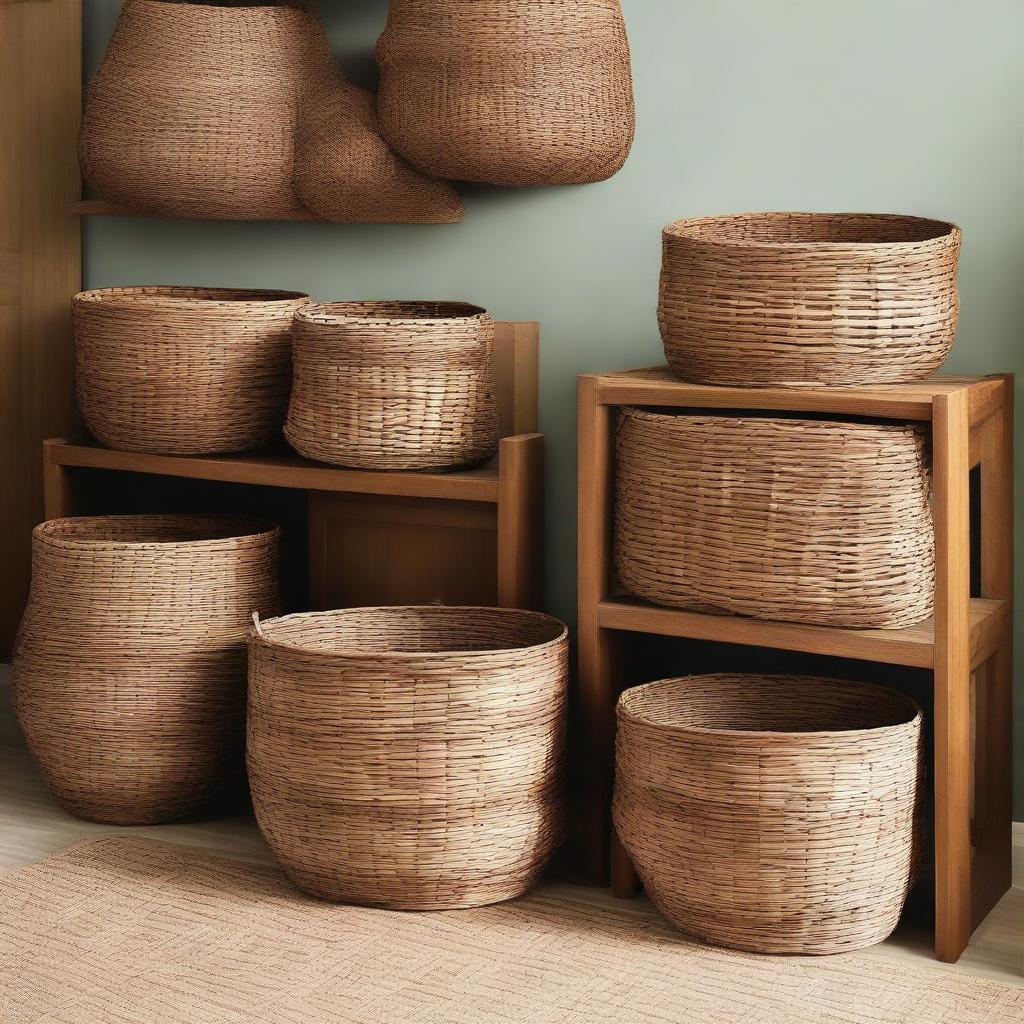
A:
x: 910, y: 106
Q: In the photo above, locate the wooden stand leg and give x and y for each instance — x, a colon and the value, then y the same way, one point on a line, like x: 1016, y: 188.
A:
x: 952, y: 719
x: 58, y: 500
x: 521, y: 521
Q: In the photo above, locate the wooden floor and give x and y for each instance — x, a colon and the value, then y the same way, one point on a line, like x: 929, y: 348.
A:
x: 32, y: 826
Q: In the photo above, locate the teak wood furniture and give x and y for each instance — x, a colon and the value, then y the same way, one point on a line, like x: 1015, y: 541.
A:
x: 967, y: 644
x: 374, y: 538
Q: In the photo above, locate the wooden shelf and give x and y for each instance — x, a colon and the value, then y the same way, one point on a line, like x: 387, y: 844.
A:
x: 913, y: 646
x: 282, y: 469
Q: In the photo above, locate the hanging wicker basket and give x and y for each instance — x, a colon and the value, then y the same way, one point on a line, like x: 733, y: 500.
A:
x: 184, y: 371
x: 409, y: 758
x: 192, y: 111
x: 511, y: 92
x: 772, y: 814
x: 129, y: 667
x: 804, y: 299
x: 394, y: 385
x: 815, y: 521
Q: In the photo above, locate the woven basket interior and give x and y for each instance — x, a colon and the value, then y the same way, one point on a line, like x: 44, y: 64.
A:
x: 394, y: 310
x: 129, y: 530
x: 183, y: 294
x: 811, y: 228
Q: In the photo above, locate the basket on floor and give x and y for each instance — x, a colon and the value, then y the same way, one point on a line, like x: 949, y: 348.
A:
x: 184, y: 371
x: 772, y: 814
x: 192, y: 111
x: 129, y: 666
x: 801, y: 299
x: 409, y: 758
x: 817, y: 521
x: 510, y: 92
x: 394, y: 385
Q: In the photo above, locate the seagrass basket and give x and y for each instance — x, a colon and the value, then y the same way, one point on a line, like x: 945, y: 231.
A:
x: 409, y: 758
x: 803, y: 299
x: 818, y: 521
x: 774, y: 814
x: 192, y: 111
x: 129, y: 666
x: 393, y: 385
x: 183, y: 371
x: 511, y: 92
x: 345, y: 171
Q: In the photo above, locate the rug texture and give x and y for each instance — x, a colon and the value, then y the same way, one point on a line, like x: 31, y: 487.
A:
x: 131, y: 931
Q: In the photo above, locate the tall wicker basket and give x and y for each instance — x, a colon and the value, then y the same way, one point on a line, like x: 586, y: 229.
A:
x: 184, y: 371
x: 409, y: 757
x: 511, y: 92
x: 129, y: 666
x: 817, y: 521
x: 771, y: 814
x: 803, y: 299
x: 394, y: 385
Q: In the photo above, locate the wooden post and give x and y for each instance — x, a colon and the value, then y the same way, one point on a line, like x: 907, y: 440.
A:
x: 521, y: 521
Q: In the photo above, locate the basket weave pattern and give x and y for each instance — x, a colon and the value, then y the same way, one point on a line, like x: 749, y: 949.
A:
x: 409, y: 757
x: 813, y: 521
x: 802, y: 299
x: 394, y: 385
x: 511, y: 92
x: 183, y: 371
x: 771, y: 814
x: 129, y: 666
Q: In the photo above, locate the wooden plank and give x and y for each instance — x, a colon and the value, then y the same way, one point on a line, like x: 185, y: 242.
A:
x: 952, y: 717
x: 40, y: 269
x: 911, y: 646
x: 521, y: 522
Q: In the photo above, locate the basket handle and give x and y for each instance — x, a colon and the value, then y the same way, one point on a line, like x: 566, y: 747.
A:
x: 259, y: 628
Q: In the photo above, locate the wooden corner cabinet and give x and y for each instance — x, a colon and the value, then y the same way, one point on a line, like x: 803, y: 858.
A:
x: 470, y: 536
x: 967, y: 646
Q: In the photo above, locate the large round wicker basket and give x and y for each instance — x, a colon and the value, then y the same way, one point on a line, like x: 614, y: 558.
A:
x: 511, y: 92
x: 816, y: 521
x: 129, y: 666
x: 771, y: 814
x: 393, y: 385
x: 184, y: 371
x: 409, y: 757
x: 192, y: 111
x: 802, y: 299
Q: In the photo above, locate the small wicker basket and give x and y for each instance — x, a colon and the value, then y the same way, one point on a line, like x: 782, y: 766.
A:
x: 804, y: 299
x: 183, y: 371
x: 129, y: 667
x: 409, y: 757
x: 818, y: 521
x: 772, y: 814
x: 394, y: 385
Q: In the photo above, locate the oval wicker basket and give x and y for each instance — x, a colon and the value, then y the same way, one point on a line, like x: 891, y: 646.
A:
x: 816, y: 521
x: 803, y: 299
x: 772, y: 814
x: 511, y: 92
x: 409, y: 757
x: 393, y: 385
x: 192, y: 111
x: 129, y: 666
x: 183, y: 371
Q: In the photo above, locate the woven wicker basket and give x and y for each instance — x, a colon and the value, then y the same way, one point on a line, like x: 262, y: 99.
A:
x: 345, y: 172
x: 184, y: 371
x: 803, y: 299
x: 129, y: 666
x: 771, y: 814
x: 192, y: 111
x: 393, y: 385
x: 511, y: 92
x: 409, y: 757
x: 815, y: 521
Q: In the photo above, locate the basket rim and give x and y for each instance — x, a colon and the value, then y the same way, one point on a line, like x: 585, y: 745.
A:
x: 754, y: 416
x: 139, y: 295
x: 679, y: 229
x: 623, y: 709
x: 362, y: 310
x: 257, y: 635
x: 250, y: 528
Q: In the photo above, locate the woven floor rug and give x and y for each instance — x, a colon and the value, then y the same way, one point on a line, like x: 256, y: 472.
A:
x: 133, y: 931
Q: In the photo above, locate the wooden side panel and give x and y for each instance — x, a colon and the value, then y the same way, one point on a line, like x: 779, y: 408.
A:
x: 40, y: 264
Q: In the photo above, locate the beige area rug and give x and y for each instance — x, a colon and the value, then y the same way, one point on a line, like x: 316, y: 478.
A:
x: 133, y: 931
